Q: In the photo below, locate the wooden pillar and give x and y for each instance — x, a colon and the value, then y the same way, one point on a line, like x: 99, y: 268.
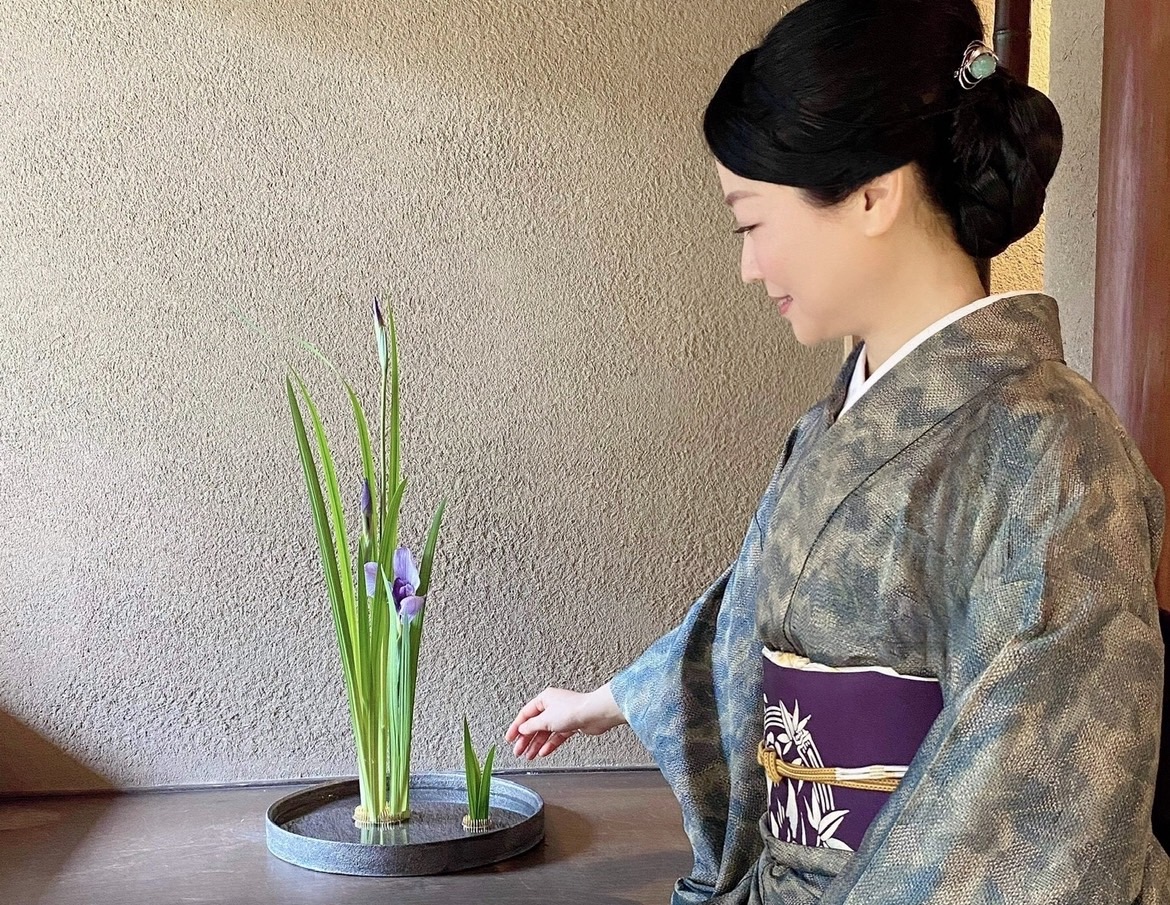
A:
x: 1013, y: 36
x: 1131, y: 344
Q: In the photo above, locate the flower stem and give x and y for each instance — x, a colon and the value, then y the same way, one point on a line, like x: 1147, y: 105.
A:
x: 389, y: 485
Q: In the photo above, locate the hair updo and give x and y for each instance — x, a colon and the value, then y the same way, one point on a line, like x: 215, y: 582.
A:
x: 843, y: 91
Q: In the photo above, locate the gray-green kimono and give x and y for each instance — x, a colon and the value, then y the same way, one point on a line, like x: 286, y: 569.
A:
x: 978, y: 516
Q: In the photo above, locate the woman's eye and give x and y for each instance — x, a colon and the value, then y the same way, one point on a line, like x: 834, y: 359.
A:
x: 743, y: 230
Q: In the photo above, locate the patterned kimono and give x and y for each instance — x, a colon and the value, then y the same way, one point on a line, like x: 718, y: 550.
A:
x: 979, y: 517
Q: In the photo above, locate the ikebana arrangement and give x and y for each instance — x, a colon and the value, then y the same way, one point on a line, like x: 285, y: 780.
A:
x: 379, y: 607
x: 379, y: 597
x: 479, y: 785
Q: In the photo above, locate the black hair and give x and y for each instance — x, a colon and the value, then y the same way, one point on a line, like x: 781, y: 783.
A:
x: 843, y: 91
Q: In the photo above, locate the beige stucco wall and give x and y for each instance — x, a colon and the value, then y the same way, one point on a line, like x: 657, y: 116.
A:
x: 1071, y: 247
x: 585, y: 375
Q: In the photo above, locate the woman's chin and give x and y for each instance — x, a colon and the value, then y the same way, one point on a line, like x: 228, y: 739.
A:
x: 808, y: 335
x: 804, y: 333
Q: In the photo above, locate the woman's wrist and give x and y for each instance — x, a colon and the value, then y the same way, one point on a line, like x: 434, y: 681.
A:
x: 603, y: 711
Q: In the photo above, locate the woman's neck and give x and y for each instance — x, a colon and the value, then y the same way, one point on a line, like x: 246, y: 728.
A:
x: 915, y: 300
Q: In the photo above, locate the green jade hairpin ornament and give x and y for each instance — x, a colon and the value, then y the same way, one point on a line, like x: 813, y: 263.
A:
x: 979, y: 63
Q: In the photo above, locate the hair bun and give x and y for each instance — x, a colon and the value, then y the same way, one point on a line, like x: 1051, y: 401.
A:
x: 1006, y: 140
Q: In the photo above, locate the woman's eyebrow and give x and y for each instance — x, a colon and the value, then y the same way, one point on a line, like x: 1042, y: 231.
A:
x: 736, y: 196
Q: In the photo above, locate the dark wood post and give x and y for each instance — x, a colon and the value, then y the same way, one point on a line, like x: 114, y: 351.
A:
x: 1131, y: 342
x: 1013, y: 36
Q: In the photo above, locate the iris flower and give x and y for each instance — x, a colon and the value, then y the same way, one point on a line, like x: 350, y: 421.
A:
x: 406, y: 580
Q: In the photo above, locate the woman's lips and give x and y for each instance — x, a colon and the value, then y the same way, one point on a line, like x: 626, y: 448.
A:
x: 783, y: 302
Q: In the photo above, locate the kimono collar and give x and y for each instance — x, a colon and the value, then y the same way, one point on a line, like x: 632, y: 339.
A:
x: 830, y: 459
x: 949, y: 368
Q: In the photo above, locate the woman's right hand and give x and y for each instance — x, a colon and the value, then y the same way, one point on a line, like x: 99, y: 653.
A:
x: 557, y: 714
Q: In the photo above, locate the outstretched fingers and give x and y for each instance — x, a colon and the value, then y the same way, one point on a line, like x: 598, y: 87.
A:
x: 545, y: 723
x: 554, y: 741
x: 527, y: 712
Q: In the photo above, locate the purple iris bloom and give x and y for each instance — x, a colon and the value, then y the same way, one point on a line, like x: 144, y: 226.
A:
x: 401, y: 589
x: 405, y: 569
x: 406, y: 579
x: 412, y: 606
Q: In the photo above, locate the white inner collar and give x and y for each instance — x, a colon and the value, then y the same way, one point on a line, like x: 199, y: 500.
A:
x: 859, y: 384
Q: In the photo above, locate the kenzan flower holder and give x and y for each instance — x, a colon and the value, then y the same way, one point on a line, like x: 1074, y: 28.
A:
x: 315, y: 829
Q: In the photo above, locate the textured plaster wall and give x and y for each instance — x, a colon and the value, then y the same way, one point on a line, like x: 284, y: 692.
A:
x: 584, y: 374
x: 1071, y: 252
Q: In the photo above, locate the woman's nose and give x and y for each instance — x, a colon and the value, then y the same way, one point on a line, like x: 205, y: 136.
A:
x: 749, y: 271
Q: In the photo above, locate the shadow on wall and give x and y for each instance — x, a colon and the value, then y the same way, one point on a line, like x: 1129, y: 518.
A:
x: 30, y: 764
x: 36, y: 852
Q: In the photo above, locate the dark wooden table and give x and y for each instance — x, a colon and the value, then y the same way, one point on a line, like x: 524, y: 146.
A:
x: 611, y: 838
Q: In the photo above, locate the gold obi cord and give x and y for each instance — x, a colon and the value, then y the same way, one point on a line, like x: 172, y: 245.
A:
x: 866, y: 779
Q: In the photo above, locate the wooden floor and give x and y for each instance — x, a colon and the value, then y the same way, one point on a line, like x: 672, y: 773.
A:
x: 611, y: 838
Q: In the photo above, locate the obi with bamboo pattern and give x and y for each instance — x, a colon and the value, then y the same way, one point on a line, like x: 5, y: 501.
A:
x: 836, y: 742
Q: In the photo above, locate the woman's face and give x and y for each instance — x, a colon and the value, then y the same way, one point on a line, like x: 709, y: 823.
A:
x: 811, y: 260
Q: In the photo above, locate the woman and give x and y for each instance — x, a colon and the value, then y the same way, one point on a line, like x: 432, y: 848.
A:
x: 962, y: 512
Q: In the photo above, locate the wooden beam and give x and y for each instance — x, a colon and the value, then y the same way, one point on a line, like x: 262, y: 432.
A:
x: 1131, y: 342
x: 1013, y: 36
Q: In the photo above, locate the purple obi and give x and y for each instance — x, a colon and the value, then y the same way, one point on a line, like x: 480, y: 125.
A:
x: 867, y: 721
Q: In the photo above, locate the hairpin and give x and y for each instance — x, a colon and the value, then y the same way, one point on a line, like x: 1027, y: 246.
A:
x: 979, y: 62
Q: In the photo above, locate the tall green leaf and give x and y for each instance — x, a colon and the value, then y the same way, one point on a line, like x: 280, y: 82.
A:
x: 338, y: 510
x: 428, y: 558
x: 395, y: 406
x: 360, y: 422
x: 333, y: 583
x: 470, y: 770
x: 485, y: 784
x: 324, y: 539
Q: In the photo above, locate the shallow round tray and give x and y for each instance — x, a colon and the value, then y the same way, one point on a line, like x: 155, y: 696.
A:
x: 315, y: 829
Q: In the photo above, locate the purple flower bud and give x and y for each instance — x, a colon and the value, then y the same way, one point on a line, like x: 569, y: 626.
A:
x: 367, y: 507
x: 412, y: 606
x: 371, y: 578
x: 401, y: 590
x: 380, y: 336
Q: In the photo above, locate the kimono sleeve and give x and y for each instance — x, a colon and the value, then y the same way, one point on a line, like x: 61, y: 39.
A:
x: 692, y: 700
x: 1036, y: 782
